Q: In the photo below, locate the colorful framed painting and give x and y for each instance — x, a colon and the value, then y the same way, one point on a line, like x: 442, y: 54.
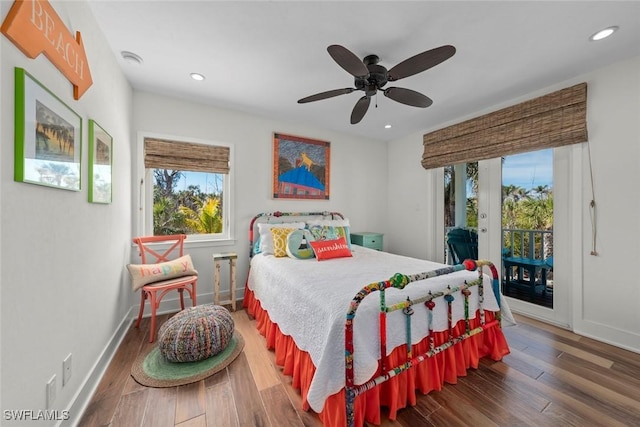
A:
x: 100, y: 158
x: 48, y: 137
x: 301, y: 168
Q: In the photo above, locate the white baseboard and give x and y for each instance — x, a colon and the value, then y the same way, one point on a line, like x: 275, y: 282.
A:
x: 84, y: 394
x: 607, y: 334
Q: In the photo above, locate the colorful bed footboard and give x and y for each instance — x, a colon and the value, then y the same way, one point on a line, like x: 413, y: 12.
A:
x: 430, y: 300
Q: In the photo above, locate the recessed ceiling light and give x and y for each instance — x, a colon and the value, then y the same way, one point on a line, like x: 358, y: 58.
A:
x: 603, y: 33
x: 387, y: 126
x: 197, y: 76
x: 131, y: 57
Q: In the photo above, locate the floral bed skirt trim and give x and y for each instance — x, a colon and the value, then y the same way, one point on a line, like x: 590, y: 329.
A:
x: 399, y: 391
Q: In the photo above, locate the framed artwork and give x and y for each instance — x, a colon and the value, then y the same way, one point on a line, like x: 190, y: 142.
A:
x: 48, y: 137
x: 100, y: 158
x: 300, y: 167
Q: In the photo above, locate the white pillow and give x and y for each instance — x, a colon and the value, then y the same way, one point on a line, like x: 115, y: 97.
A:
x: 266, y: 238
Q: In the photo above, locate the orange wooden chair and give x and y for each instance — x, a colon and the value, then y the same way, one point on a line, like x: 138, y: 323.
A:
x: 155, y: 291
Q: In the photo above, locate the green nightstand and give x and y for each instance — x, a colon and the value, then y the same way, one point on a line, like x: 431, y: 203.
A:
x: 367, y: 239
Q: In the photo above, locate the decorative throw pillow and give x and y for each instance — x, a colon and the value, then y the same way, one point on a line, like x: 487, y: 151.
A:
x: 266, y: 238
x: 329, y: 232
x: 143, y: 274
x: 327, y: 249
x: 280, y: 241
x: 298, y: 244
x: 333, y: 222
x: 329, y: 229
x: 256, y: 247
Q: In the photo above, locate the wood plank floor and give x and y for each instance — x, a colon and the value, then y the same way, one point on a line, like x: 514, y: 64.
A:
x: 551, y: 378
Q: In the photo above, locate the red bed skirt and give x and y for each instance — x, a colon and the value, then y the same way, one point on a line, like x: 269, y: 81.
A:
x: 395, y: 393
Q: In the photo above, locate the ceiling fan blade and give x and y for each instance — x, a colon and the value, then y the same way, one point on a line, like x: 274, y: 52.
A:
x: 360, y: 109
x: 325, y: 95
x: 348, y: 60
x: 408, y: 97
x: 421, y: 62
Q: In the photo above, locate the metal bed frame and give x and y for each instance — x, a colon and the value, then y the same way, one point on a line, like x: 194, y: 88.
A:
x: 399, y: 281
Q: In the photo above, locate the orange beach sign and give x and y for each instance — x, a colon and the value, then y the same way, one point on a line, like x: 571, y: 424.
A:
x: 35, y: 28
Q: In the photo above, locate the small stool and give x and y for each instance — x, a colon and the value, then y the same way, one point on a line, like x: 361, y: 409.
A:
x: 231, y: 257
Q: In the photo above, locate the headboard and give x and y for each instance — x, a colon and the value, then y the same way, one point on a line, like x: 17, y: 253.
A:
x: 283, y: 217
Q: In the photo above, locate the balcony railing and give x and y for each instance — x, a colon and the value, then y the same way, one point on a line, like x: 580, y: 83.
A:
x: 532, y: 244
x: 527, y: 260
x: 521, y: 243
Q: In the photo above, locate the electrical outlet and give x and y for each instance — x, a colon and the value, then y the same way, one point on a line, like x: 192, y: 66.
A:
x: 66, y: 370
x: 51, y: 392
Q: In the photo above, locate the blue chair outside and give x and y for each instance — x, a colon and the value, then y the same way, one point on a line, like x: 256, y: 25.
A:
x: 462, y: 244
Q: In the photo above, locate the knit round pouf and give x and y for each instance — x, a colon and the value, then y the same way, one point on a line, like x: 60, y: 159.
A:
x: 196, y: 333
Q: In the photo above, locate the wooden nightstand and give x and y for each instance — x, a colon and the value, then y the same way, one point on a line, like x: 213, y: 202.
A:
x: 217, y: 258
x: 367, y: 239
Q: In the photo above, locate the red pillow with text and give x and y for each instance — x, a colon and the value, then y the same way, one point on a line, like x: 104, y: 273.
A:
x: 327, y: 249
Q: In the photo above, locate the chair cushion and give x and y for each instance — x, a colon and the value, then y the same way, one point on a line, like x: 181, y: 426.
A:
x: 196, y: 333
x: 143, y: 274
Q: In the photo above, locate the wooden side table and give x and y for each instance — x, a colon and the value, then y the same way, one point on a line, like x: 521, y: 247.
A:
x: 217, y: 258
x: 367, y: 239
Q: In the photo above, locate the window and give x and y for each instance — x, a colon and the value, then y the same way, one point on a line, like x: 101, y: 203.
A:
x: 187, y: 202
x: 186, y: 188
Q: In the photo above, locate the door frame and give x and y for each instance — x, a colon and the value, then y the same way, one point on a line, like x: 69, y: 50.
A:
x: 567, y: 235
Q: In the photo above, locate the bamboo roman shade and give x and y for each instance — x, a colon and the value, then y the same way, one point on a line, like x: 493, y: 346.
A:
x: 185, y: 156
x: 552, y: 120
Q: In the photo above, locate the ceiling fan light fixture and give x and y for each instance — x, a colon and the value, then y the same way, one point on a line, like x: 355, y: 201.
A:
x: 197, y: 76
x: 387, y: 126
x: 604, y: 33
x: 370, y: 77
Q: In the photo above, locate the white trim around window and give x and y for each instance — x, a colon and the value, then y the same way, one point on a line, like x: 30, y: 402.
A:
x: 143, y: 183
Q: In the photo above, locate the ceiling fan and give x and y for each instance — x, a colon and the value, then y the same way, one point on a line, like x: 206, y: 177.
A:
x: 371, y: 77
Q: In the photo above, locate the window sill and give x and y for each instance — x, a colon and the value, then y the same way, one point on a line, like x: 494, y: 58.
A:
x: 200, y: 243
x: 207, y: 243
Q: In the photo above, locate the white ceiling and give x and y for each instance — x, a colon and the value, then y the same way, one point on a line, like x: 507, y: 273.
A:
x: 262, y: 56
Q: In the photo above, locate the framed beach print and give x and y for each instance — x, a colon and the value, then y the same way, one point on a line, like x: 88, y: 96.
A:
x: 48, y: 137
x: 300, y: 167
x: 100, y: 157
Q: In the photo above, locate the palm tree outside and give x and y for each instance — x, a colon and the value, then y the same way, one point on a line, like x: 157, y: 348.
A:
x: 186, y: 203
x: 527, y: 203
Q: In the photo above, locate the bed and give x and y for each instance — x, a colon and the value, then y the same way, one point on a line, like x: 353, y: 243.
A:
x: 330, y: 321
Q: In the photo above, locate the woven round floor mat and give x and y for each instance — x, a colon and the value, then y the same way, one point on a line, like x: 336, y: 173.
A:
x: 153, y: 370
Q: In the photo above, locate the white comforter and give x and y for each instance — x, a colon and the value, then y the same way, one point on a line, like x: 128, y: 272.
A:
x: 308, y: 299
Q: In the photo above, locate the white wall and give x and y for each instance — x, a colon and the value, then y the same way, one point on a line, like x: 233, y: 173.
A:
x: 605, y: 301
x: 358, y: 179
x: 64, y: 284
x: 607, y: 304
x: 63, y: 288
